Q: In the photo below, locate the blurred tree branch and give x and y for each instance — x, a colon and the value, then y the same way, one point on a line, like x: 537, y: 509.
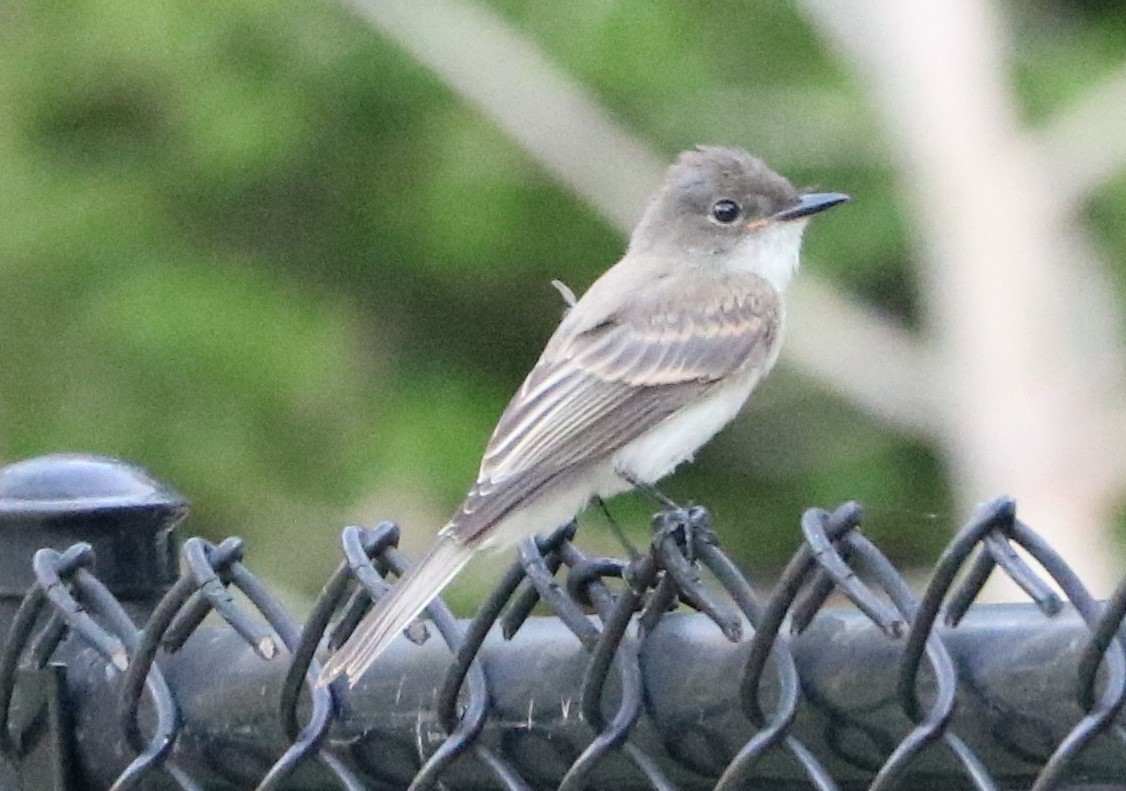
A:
x: 1084, y: 145
x: 1036, y: 410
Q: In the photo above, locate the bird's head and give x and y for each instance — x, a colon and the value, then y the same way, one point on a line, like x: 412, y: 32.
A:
x: 723, y: 207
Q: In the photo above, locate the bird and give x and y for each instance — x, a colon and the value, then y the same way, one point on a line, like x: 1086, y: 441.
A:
x: 657, y: 356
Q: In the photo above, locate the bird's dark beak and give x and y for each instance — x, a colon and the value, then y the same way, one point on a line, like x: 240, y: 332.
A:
x: 810, y: 204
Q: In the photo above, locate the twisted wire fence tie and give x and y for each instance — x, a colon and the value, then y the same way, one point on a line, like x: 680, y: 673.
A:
x: 361, y: 547
x: 813, y: 525
x: 50, y: 569
x: 56, y: 568
x: 816, y: 592
x: 995, y: 522
x: 371, y: 556
x: 1001, y: 550
x: 210, y: 567
x: 996, y: 514
x: 552, y: 593
x: 526, y: 596
x: 78, y: 555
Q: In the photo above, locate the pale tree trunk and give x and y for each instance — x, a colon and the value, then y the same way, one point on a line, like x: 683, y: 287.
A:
x: 1018, y: 311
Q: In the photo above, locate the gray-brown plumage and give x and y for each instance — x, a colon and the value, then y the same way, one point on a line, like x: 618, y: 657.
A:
x: 657, y: 356
x: 603, y: 381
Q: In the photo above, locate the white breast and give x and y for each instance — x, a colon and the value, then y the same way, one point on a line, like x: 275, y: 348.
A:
x: 657, y: 452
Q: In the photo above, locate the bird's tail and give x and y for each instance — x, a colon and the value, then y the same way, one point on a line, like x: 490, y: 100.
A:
x: 394, y: 612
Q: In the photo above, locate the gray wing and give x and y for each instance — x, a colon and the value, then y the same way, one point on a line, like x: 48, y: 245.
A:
x: 598, y: 387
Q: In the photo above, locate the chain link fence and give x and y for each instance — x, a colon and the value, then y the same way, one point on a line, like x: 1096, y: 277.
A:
x: 113, y: 675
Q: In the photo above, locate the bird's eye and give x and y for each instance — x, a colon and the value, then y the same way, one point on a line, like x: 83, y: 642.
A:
x: 726, y: 211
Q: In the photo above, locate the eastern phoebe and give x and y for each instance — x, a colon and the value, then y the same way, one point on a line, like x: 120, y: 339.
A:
x: 656, y: 357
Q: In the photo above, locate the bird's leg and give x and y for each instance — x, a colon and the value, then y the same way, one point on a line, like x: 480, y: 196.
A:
x: 617, y: 529
x: 649, y: 491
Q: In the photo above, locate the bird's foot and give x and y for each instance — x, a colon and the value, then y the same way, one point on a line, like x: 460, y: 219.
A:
x: 631, y: 550
x: 687, y: 526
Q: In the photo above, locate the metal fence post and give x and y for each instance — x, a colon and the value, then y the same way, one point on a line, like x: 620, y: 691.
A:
x: 57, y: 501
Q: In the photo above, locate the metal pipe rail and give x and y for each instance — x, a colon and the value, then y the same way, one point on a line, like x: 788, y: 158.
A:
x: 777, y: 691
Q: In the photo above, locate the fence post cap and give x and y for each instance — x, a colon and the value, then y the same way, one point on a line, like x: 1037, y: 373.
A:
x: 125, y: 513
x: 81, y: 482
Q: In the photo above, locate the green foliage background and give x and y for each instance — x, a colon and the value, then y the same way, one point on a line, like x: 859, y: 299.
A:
x: 257, y: 248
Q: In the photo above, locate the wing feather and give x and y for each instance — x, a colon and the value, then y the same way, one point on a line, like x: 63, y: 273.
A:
x: 602, y: 384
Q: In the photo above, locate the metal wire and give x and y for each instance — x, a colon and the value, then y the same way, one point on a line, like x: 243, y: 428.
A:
x: 792, y: 731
